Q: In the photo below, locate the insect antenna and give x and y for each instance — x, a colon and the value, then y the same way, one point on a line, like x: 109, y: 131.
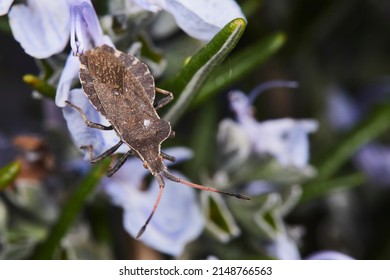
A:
x: 161, y: 183
x: 174, y: 178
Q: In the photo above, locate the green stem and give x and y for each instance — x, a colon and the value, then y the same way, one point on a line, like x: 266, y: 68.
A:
x: 316, y: 189
x: 377, y: 122
x: 72, y: 208
x: 370, y: 128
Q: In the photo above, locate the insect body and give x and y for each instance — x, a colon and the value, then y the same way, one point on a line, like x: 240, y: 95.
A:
x: 121, y: 88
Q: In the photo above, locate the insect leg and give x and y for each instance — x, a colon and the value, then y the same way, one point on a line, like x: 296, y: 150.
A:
x: 176, y: 179
x: 164, y: 101
x: 107, y: 153
x: 119, y: 163
x: 168, y: 157
x: 161, y: 184
x: 88, y: 122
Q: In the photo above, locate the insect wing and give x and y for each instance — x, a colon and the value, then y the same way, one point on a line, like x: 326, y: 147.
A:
x: 87, y: 83
x: 139, y: 71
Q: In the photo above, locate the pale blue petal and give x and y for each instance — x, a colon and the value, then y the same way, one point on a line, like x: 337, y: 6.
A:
x: 286, y: 140
x: 202, y: 19
x: 180, y: 154
x: 85, y: 29
x: 259, y: 187
x: 241, y: 106
x: 151, y: 5
x: 328, y: 255
x: 83, y: 135
x: 124, y: 182
x: 93, y: 24
x: 235, y: 144
x: 283, y: 248
x: 4, y: 6
x: 297, y: 143
x: 68, y: 75
x: 41, y: 27
x: 178, y: 219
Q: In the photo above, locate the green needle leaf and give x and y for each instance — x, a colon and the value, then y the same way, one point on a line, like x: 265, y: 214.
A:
x: 334, y: 158
x: 70, y: 211
x: 240, y: 65
x: 316, y: 189
x: 9, y: 173
x: 370, y: 128
x: 191, y: 78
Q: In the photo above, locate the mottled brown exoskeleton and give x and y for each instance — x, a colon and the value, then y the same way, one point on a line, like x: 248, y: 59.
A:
x: 122, y: 89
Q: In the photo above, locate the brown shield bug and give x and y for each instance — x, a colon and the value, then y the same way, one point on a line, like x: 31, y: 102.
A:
x: 122, y: 89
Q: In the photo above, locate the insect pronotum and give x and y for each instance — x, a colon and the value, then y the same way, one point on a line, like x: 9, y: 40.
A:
x: 122, y: 89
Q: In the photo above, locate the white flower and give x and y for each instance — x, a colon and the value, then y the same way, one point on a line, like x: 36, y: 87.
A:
x: 284, y: 139
x: 201, y: 19
x: 150, y: 5
x: 4, y: 6
x: 41, y: 26
x: 85, y: 29
x: 85, y: 33
x: 283, y: 248
x: 328, y: 255
x: 178, y: 219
